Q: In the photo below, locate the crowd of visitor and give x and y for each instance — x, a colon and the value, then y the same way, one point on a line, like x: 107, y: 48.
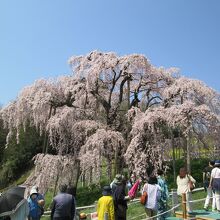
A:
x: 113, y: 203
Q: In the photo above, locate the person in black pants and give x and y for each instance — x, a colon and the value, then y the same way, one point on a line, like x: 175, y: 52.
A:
x: 120, y: 200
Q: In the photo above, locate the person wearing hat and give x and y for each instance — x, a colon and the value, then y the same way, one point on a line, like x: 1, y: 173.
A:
x: 34, y: 209
x: 105, y: 206
x: 40, y: 200
x: 117, y: 180
x: 120, y: 200
x: 215, y: 183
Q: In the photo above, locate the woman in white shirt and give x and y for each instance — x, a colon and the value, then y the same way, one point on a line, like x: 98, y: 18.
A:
x: 183, y: 186
x: 153, y: 196
x: 215, y: 183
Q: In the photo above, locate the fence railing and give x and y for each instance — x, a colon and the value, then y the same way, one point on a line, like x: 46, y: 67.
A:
x: 174, y: 203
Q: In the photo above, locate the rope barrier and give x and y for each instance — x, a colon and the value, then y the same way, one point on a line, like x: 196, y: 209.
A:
x: 77, y: 208
x: 198, y: 200
x: 137, y: 216
x: 162, y: 213
x: 135, y: 201
x: 191, y: 201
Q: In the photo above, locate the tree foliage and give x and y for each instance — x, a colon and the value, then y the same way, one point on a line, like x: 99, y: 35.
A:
x: 16, y: 158
x: 114, y: 108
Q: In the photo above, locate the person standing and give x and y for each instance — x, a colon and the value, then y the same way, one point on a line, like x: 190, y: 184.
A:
x: 183, y: 186
x: 117, y: 180
x: 120, y: 200
x: 153, y: 196
x: 215, y: 183
x: 72, y: 191
x: 162, y: 205
x: 34, y: 209
x: 206, y: 180
x: 105, y: 206
x: 40, y: 200
x: 63, y: 205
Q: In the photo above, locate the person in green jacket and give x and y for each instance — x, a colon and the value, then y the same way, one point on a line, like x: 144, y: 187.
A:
x: 105, y: 206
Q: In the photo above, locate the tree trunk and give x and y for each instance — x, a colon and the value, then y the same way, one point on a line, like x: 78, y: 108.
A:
x: 83, y: 180
x: 128, y: 93
x: 185, y: 150
x: 116, y: 161
x: 45, y: 146
x: 90, y: 175
x: 76, y: 179
x: 109, y: 169
x: 188, y: 159
x: 45, y: 142
x: 174, y: 157
x: 55, y: 186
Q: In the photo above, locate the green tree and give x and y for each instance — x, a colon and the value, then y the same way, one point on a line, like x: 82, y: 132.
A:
x: 17, y: 157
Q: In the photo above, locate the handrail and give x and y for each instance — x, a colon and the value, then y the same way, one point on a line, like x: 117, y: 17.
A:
x: 134, y: 201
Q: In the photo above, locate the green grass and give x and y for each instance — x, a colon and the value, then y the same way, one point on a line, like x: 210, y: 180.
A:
x: 45, y: 218
x: 198, y: 195
x: 23, y: 178
x: 135, y: 210
x: 48, y: 199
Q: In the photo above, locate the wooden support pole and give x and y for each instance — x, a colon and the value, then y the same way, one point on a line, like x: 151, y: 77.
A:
x: 184, y: 205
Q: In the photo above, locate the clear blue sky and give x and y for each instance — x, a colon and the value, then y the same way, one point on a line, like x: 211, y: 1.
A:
x: 38, y: 36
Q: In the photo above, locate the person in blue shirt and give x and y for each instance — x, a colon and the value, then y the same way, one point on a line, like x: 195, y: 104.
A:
x: 40, y: 200
x: 162, y: 205
x: 34, y: 209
